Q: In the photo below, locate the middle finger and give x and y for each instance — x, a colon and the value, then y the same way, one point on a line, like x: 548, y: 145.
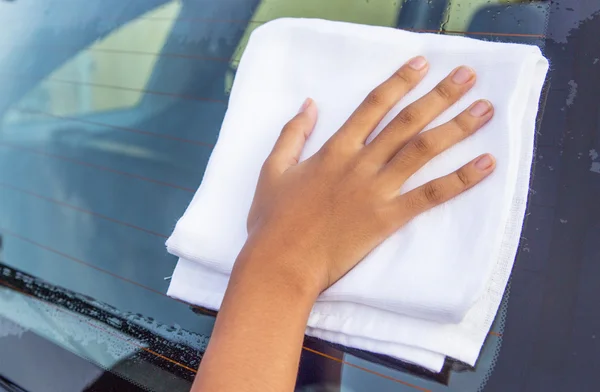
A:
x: 416, y: 116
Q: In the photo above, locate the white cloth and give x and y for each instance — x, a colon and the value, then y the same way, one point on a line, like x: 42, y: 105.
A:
x: 430, y: 290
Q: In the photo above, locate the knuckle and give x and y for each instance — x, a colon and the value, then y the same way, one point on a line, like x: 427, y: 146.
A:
x: 414, y: 204
x: 433, y: 193
x: 463, y: 126
x: 290, y: 127
x: 362, y: 166
x: 384, y: 218
x: 463, y: 177
x: 329, y: 149
x: 335, y: 149
x: 293, y: 160
x: 353, y: 167
x: 444, y: 91
x: 422, y: 144
x: 402, y: 76
x: 407, y: 116
x: 268, y: 167
x: 375, y: 98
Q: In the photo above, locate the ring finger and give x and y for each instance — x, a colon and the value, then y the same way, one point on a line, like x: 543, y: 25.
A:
x: 425, y: 146
x: 416, y: 116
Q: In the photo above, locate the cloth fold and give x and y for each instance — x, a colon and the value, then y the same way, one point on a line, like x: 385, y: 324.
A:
x: 432, y: 289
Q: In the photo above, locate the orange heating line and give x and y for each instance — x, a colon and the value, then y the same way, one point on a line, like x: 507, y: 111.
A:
x: 118, y: 127
x: 94, y: 325
x: 85, y: 211
x: 162, y: 54
x: 99, y: 167
x: 221, y: 59
x: 82, y: 262
x: 228, y: 59
x: 10, y: 233
x: 82, y: 319
x: 110, y: 219
x: 250, y: 21
x: 128, y: 51
x: 116, y: 221
x: 138, y: 90
x: 366, y: 370
x: 477, y: 33
x: 246, y: 21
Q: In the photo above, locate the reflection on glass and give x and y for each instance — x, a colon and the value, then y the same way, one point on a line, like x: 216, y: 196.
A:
x: 108, y: 75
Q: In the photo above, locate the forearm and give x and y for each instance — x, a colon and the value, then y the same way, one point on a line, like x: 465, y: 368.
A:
x: 258, y: 335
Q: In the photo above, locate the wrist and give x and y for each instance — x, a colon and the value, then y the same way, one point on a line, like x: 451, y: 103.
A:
x: 283, y: 272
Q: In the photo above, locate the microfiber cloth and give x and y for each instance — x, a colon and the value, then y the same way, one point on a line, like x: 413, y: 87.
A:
x: 430, y: 290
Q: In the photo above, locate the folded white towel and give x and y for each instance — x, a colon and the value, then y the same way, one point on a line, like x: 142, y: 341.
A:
x: 433, y: 288
x: 195, y: 283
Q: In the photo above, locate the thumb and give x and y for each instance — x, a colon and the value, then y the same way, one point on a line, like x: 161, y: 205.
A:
x: 289, y: 145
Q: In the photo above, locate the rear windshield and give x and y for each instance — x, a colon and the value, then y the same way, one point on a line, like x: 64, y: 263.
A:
x: 109, y: 111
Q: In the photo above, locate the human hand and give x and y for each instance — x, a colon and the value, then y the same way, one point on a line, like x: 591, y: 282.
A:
x: 315, y: 220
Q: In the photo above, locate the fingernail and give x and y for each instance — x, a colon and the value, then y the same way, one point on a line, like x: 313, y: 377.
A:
x: 484, y: 162
x: 305, y: 105
x: 417, y: 63
x: 462, y: 75
x: 480, y: 108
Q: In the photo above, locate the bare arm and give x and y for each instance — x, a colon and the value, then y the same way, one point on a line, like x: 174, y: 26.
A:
x: 311, y: 222
x: 258, y: 335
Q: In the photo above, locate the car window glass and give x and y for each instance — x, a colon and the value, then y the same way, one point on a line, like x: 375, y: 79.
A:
x: 111, y: 74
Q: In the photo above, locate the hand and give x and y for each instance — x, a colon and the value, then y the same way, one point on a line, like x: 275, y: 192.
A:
x: 311, y: 222
x: 317, y: 219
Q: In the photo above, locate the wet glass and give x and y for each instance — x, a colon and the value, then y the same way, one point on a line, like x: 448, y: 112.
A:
x: 108, y: 113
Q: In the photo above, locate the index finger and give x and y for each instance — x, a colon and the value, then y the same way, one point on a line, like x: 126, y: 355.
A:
x: 382, y: 99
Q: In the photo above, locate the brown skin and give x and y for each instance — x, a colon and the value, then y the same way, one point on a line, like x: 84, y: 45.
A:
x: 311, y: 222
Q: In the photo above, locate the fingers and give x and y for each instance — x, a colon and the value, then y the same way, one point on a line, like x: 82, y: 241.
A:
x: 416, y: 116
x: 381, y: 100
x: 425, y: 146
x: 445, y: 188
x: 290, y: 143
